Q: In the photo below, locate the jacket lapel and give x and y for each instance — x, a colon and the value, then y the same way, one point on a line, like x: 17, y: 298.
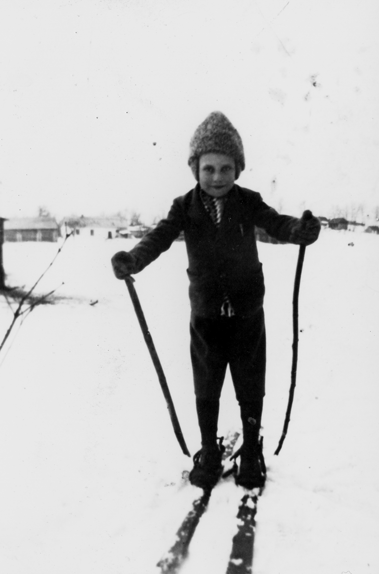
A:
x: 231, y: 211
x: 198, y: 214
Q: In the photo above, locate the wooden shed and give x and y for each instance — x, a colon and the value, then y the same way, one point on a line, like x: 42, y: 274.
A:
x: 338, y: 223
x: 31, y: 229
x: 373, y: 229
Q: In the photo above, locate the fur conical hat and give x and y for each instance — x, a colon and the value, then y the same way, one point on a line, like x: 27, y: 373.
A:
x: 216, y: 134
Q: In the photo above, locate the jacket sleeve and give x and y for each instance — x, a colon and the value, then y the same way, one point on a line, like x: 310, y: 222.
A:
x: 277, y: 226
x: 159, y: 239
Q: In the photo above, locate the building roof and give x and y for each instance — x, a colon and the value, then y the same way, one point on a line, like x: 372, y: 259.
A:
x: 339, y: 220
x: 30, y: 223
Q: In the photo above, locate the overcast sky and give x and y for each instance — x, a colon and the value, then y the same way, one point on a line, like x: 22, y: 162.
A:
x: 99, y: 99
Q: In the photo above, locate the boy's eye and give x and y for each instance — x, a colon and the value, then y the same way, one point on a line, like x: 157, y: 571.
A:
x: 226, y: 168
x: 208, y: 169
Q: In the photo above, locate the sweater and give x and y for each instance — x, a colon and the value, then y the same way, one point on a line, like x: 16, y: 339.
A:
x: 222, y: 259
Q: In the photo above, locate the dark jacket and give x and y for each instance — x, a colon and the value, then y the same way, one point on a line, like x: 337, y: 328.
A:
x: 222, y: 259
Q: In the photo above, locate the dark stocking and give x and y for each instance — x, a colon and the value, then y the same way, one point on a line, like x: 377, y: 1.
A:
x: 207, y: 414
x: 251, y: 415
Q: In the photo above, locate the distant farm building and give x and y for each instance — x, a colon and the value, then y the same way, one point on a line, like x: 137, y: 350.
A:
x: 31, y: 229
x: 324, y: 221
x: 355, y: 226
x: 137, y: 231
x: 102, y: 227
x: 338, y: 223
x: 373, y: 229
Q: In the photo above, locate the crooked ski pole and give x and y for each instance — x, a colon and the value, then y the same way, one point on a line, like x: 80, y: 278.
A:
x: 295, y: 345
x: 157, y: 364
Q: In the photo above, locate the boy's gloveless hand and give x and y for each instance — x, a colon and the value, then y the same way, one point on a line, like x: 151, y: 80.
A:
x: 123, y: 264
x: 305, y: 231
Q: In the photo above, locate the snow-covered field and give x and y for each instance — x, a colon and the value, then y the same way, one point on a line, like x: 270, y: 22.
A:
x: 91, y: 473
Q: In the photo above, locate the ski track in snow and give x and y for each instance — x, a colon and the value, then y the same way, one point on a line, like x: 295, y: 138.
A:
x: 91, y: 473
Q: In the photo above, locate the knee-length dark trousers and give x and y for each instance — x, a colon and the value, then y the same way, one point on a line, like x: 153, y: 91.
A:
x: 239, y: 342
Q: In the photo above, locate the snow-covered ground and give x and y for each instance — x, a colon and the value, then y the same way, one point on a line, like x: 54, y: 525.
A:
x: 91, y: 473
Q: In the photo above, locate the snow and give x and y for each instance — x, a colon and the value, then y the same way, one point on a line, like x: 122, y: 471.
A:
x: 92, y: 474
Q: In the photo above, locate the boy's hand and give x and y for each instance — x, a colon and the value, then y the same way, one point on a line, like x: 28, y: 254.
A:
x: 123, y: 264
x: 306, y: 230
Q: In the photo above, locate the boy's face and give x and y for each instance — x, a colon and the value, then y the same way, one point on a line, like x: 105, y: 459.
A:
x: 217, y: 173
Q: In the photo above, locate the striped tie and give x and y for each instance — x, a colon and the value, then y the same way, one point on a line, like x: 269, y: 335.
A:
x: 214, y: 206
x: 216, y: 210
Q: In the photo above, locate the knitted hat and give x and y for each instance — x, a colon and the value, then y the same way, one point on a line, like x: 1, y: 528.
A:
x: 216, y: 135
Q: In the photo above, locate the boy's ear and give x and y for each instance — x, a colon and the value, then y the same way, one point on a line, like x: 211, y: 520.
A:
x: 194, y: 165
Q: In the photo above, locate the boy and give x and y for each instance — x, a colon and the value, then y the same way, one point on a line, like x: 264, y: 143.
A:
x: 226, y: 290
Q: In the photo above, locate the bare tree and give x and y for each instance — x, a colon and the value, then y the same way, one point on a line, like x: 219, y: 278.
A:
x: 123, y: 213
x: 158, y: 218
x: 361, y: 211
x: 27, y: 301
x: 135, y: 219
x: 43, y: 211
x: 336, y: 211
x: 354, y: 211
